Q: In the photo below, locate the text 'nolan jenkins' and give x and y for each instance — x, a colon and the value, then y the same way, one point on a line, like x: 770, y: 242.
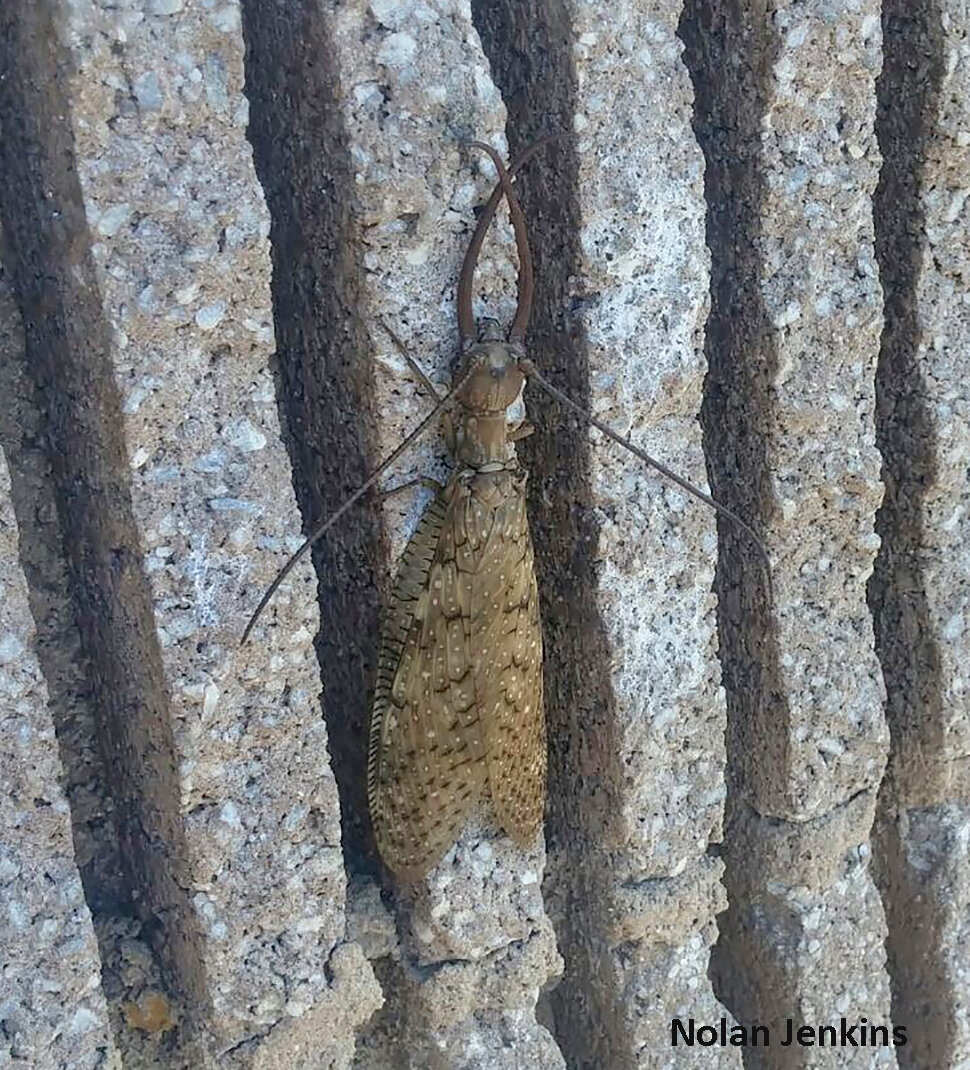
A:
x: 847, y: 1034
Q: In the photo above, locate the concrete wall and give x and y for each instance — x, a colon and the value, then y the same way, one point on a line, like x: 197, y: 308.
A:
x: 750, y: 258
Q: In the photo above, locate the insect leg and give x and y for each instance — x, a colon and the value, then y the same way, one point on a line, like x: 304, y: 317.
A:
x: 419, y: 481
x: 352, y: 500
x: 447, y: 423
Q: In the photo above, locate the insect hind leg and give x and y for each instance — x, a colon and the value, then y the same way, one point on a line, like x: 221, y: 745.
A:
x: 418, y: 481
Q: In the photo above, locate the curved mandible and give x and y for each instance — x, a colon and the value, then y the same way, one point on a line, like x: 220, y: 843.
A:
x: 466, y: 319
x: 526, y: 277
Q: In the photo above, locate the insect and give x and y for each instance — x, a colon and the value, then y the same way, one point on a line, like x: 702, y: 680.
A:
x: 458, y: 705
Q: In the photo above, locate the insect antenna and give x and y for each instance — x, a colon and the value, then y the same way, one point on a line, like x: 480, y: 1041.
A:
x: 526, y: 276
x: 532, y: 373
x: 518, y: 329
x: 352, y: 500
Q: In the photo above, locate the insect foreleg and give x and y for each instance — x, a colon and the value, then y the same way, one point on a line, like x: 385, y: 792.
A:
x: 447, y: 422
x: 352, y: 500
x: 412, y: 363
x: 419, y: 481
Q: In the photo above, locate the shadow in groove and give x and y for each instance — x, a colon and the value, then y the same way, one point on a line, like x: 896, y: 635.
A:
x: 907, y: 93
x: 727, y: 52
x: 323, y: 378
x: 62, y: 431
x: 529, y: 47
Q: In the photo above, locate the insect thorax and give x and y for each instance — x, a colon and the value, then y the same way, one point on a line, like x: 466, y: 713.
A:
x: 494, y: 383
x: 495, y: 485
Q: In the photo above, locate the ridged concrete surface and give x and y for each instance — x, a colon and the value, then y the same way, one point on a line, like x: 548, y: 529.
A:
x: 750, y: 258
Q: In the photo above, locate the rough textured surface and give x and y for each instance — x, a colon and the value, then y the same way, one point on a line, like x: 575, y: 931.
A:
x: 165, y: 449
x: 398, y: 89
x: 130, y: 972
x: 789, y: 429
x: 709, y: 241
x: 810, y: 163
x: 919, y: 592
x: 626, y: 563
x: 52, y: 1008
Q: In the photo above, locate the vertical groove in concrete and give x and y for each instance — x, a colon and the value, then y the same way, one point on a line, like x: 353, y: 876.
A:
x: 785, y: 111
x: 136, y: 237
x: 918, y: 593
x: 728, y: 51
x: 636, y: 723
x: 908, y: 101
x: 67, y: 378
x: 67, y: 675
x: 528, y: 46
x: 325, y: 382
x: 130, y: 969
x: 52, y: 997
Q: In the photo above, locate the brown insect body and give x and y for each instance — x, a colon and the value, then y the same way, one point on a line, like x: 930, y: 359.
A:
x: 458, y: 703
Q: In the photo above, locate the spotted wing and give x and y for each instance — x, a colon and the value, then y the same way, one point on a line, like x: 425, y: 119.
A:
x: 426, y: 766
x: 507, y: 639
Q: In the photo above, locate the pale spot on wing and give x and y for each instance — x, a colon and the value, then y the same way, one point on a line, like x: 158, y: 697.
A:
x: 461, y: 677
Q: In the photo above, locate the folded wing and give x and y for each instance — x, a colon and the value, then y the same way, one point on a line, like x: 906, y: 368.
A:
x: 507, y: 639
x: 427, y: 750
x: 459, y: 694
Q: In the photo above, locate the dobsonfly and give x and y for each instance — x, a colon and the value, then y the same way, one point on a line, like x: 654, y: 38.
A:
x: 458, y: 703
